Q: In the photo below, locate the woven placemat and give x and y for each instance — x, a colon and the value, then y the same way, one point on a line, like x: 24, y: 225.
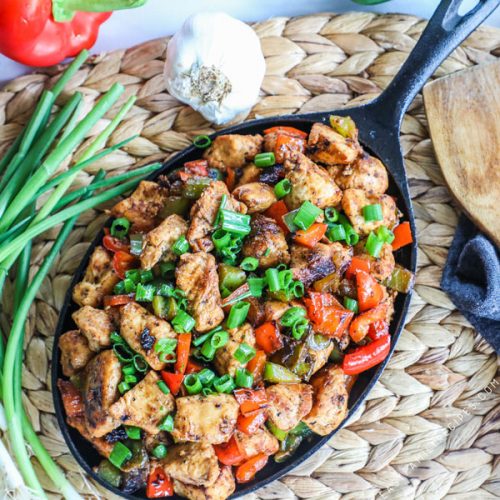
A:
x: 429, y: 428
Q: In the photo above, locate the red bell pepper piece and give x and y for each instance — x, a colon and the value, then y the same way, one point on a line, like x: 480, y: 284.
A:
x: 256, y: 365
x: 44, y: 32
x: 193, y: 367
x: 378, y: 329
x: 183, y: 346
x: 357, y: 264
x: 294, y: 132
x: 114, y: 244
x: 370, y: 293
x: 251, y: 400
x: 402, y: 236
x: 159, y: 484
x: 173, y: 380
x: 118, y: 300
x: 365, y: 357
x: 360, y: 326
x: 328, y: 316
x: 123, y: 261
x: 197, y: 167
x: 229, y: 453
x: 311, y: 236
x: 250, y: 423
x: 246, y: 471
x: 276, y: 211
x: 268, y: 337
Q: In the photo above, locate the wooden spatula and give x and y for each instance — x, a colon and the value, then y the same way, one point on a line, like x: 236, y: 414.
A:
x: 463, y: 110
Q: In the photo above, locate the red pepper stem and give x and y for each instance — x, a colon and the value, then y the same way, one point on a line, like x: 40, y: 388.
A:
x: 64, y: 10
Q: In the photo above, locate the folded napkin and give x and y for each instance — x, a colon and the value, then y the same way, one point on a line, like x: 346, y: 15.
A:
x: 471, y: 278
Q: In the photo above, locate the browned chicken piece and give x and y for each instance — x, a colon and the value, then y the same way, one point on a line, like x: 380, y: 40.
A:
x: 367, y: 173
x: 288, y: 404
x: 311, y: 264
x: 310, y: 182
x: 192, y: 463
x: 72, y: 399
x: 266, y: 242
x: 224, y: 360
x: 99, y: 280
x: 142, y: 330
x: 329, y: 402
x: 158, y: 242
x: 274, y: 309
x: 255, y: 314
x: 96, y: 325
x: 145, y: 405
x: 75, y: 352
x: 353, y: 202
x: 209, y: 419
x: 285, y: 152
x: 196, y: 275
x: 319, y: 358
x: 204, y: 212
x: 327, y: 146
x: 100, y: 391
x: 223, y: 487
x: 257, y: 196
x: 142, y: 206
x: 249, y: 173
x: 381, y: 267
x: 260, y: 441
x: 233, y: 150
x: 100, y: 444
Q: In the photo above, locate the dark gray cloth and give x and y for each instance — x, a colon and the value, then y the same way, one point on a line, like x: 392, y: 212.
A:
x: 471, y: 278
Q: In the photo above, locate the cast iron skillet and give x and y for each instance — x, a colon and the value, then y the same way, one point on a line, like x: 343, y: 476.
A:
x: 379, y: 125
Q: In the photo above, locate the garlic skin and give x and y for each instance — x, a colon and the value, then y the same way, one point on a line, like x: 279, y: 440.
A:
x: 215, y: 64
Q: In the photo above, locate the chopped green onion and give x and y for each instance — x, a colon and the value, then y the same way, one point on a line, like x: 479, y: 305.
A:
x: 206, y: 376
x: 298, y: 289
x: 351, y: 236
x: 202, y: 141
x: 163, y: 387
x: 120, y: 227
x: 129, y: 285
x: 119, y: 455
x: 166, y: 345
x: 273, y: 281
x: 221, y: 239
x: 299, y: 328
x: 234, y: 222
x: 351, y: 304
x: 336, y: 232
x: 373, y: 245
x: 181, y: 246
x: 123, y: 353
x: 306, y: 215
x: 166, y: 267
x: 331, y: 214
x: 167, y: 357
x: 249, y: 264
x: 243, y: 378
x: 119, y: 288
x: 285, y: 278
x: 183, y: 322
x: 238, y: 314
x: 146, y: 275
x: 144, y: 293
x: 202, y: 338
x: 133, y: 432
x: 220, y: 339
x: 130, y: 379
x: 140, y: 363
x: 256, y: 286
x: 123, y: 387
x: 207, y: 391
x: 373, y: 212
x: 192, y: 383
x: 224, y: 384
x: 136, y: 244
x: 167, y: 424
x: 385, y: 235
x: 283, y: 188
x: 129, y: 369
x: 116, y: 338
x: 166, y: 290
x: 160, y: 451
x: 207, y: 351
x: 288, y: 219
x: 292, y: 315
x: 244, y: 353
x: 223, y: 202
x: 264, y: 160
x: 134, y: 275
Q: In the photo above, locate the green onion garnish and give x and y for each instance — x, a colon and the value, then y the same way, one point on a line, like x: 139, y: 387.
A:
x: 181, y: 246
x: 116, y: 338
x: 223, y: 202
x: 352, y: 237
x: 384, y: 234
x: 134, y: 275
x: 373, y: 245
x: 165, y: 290
x: 373, y: 212
x: 306, y: 215
x: 292, y: 315
x: 146, y: 275
x: 249, y: 264
x: 298, y: 289
x: 243, y: 378
x: 207, y: 391
x: 166, y: 345
x: 220, y: 339
x: 119, y: 455
x: 331, y: 214
x: 136, y: 244
x: 351, y: 304
x: 264, y: 160
x: 130, y: 379
x: 202, y: 338
x: 206, y: 376
x: 283, y: 188
x: 299, y: 328
x: 119, y: 228
x: 244, y: 353
x: 166, y: 267
x: 256, y: 286
x: 140, y: 363
x: 221, y: 239
x: 224, y: 384
x: 160, y: 451
x: 238, y: 314
x: 202, y: 141
x: 123, y: 353
x: 285, y: 278
x: 167, y: 424
x: 144, y: 293
x: 133, y: 432
x: 119, y: 288
x: 192, y: 383
x: 163, y: 387
x: 123, y: 387
x: 129, y: 285
x: 128, y: 369
x: 234, y: 222
x: 336, y: 232
x: 183, y: 322
x: 273, y: 281
x: 207, y: 351
x: 288, y: 220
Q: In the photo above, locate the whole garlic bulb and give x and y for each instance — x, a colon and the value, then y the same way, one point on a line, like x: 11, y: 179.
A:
x: 215, y: 64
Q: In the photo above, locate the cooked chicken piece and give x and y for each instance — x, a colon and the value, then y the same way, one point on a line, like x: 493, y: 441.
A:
x: 96, y: 325
x: 311, y: 264
x: 158, y: 242
x: 100, y: 444
x: 100, y: 391
x: 255, y: 314
x: 224, y: 360
x: 310, y: 182
x: 72, y: 399
x: 327, y: 146
x: 142, y: 330
x: 223, y: 487
x: 249, y: 173
x: 288, y: 404
x: 204, y: 212
x: 266, y: 242
x: 142, y: 206
x: 233, y: 151
x: 196, y: 275
x: 75, y: 352
x: 210, y: 419
x: 260, y: 441
x: 329, y: 402
x: 381, y: 267
x: 274, y: 309
x: 192, y: 463
x: 295, y: 144
x: 257, y: 196
x: 99, y: 280
x: 145, y: 405
x: 353, y: 202
x: 320, y: 358
x: 367, y: 173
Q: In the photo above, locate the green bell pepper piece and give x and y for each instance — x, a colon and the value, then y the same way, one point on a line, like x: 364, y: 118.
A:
x: 279, y: 374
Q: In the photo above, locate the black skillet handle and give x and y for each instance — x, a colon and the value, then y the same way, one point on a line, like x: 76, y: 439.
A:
x: 444, y: 32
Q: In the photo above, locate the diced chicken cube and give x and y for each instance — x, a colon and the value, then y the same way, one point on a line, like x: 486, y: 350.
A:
x: 274, y: 309
x: 96, y: 325
x: 99, y: 280
x: 100, y: 444
x: 260, y: 441
x: 72, y: 399
x: 145, y: 405
x: 75, y: 352
x: 197, y: 277
x: 222, y: 488
x: 257, y: 196
x: 319, y: 358
x: 288, y: 404
x: 157, y: 244
x: 233, y: 150
x: 138, y: 325
x: 250, y: 173
x: 210, y: 419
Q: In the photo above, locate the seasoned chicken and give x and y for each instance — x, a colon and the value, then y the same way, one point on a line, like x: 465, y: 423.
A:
x: 224, y: 360
x: 196, y: 275
x: 142, y: 330
x: 75, y: 352
x: 96, y: 325
x: 327, y: 146
x: 255, y: 314
x: 329, y: 401
x: 274, y: 309
x: 319, y: 358
x: 192, y: 463
x: 209, y: 419
x: 223, y: 487
x: 260, y: 441
x: 266, y: 242
x: 204, y: 212
x: 249, y: 173
x: 381, y: 267
x: 100, y: 444
x: 310, y: 182
x: 367, y: 173
x: 145, y: 405
x: 353, y: 202
x: 72, y: 399
x: 158, y: 242
x: 100, y: 391
x: 99, y: 280
x: 288, y: 404
x: 311, y: 264
x: 257, y: 196
x: 294, y: 144
x: 233, y: 151
x: 142, y: 206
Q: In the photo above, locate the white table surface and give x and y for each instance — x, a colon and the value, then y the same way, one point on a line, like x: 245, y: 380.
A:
x: 163, y: 17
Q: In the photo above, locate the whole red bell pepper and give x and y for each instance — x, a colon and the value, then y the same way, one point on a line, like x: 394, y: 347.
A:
x: 44, y: 32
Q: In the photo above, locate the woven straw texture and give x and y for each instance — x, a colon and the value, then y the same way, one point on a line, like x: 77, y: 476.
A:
x: 429, y: 428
